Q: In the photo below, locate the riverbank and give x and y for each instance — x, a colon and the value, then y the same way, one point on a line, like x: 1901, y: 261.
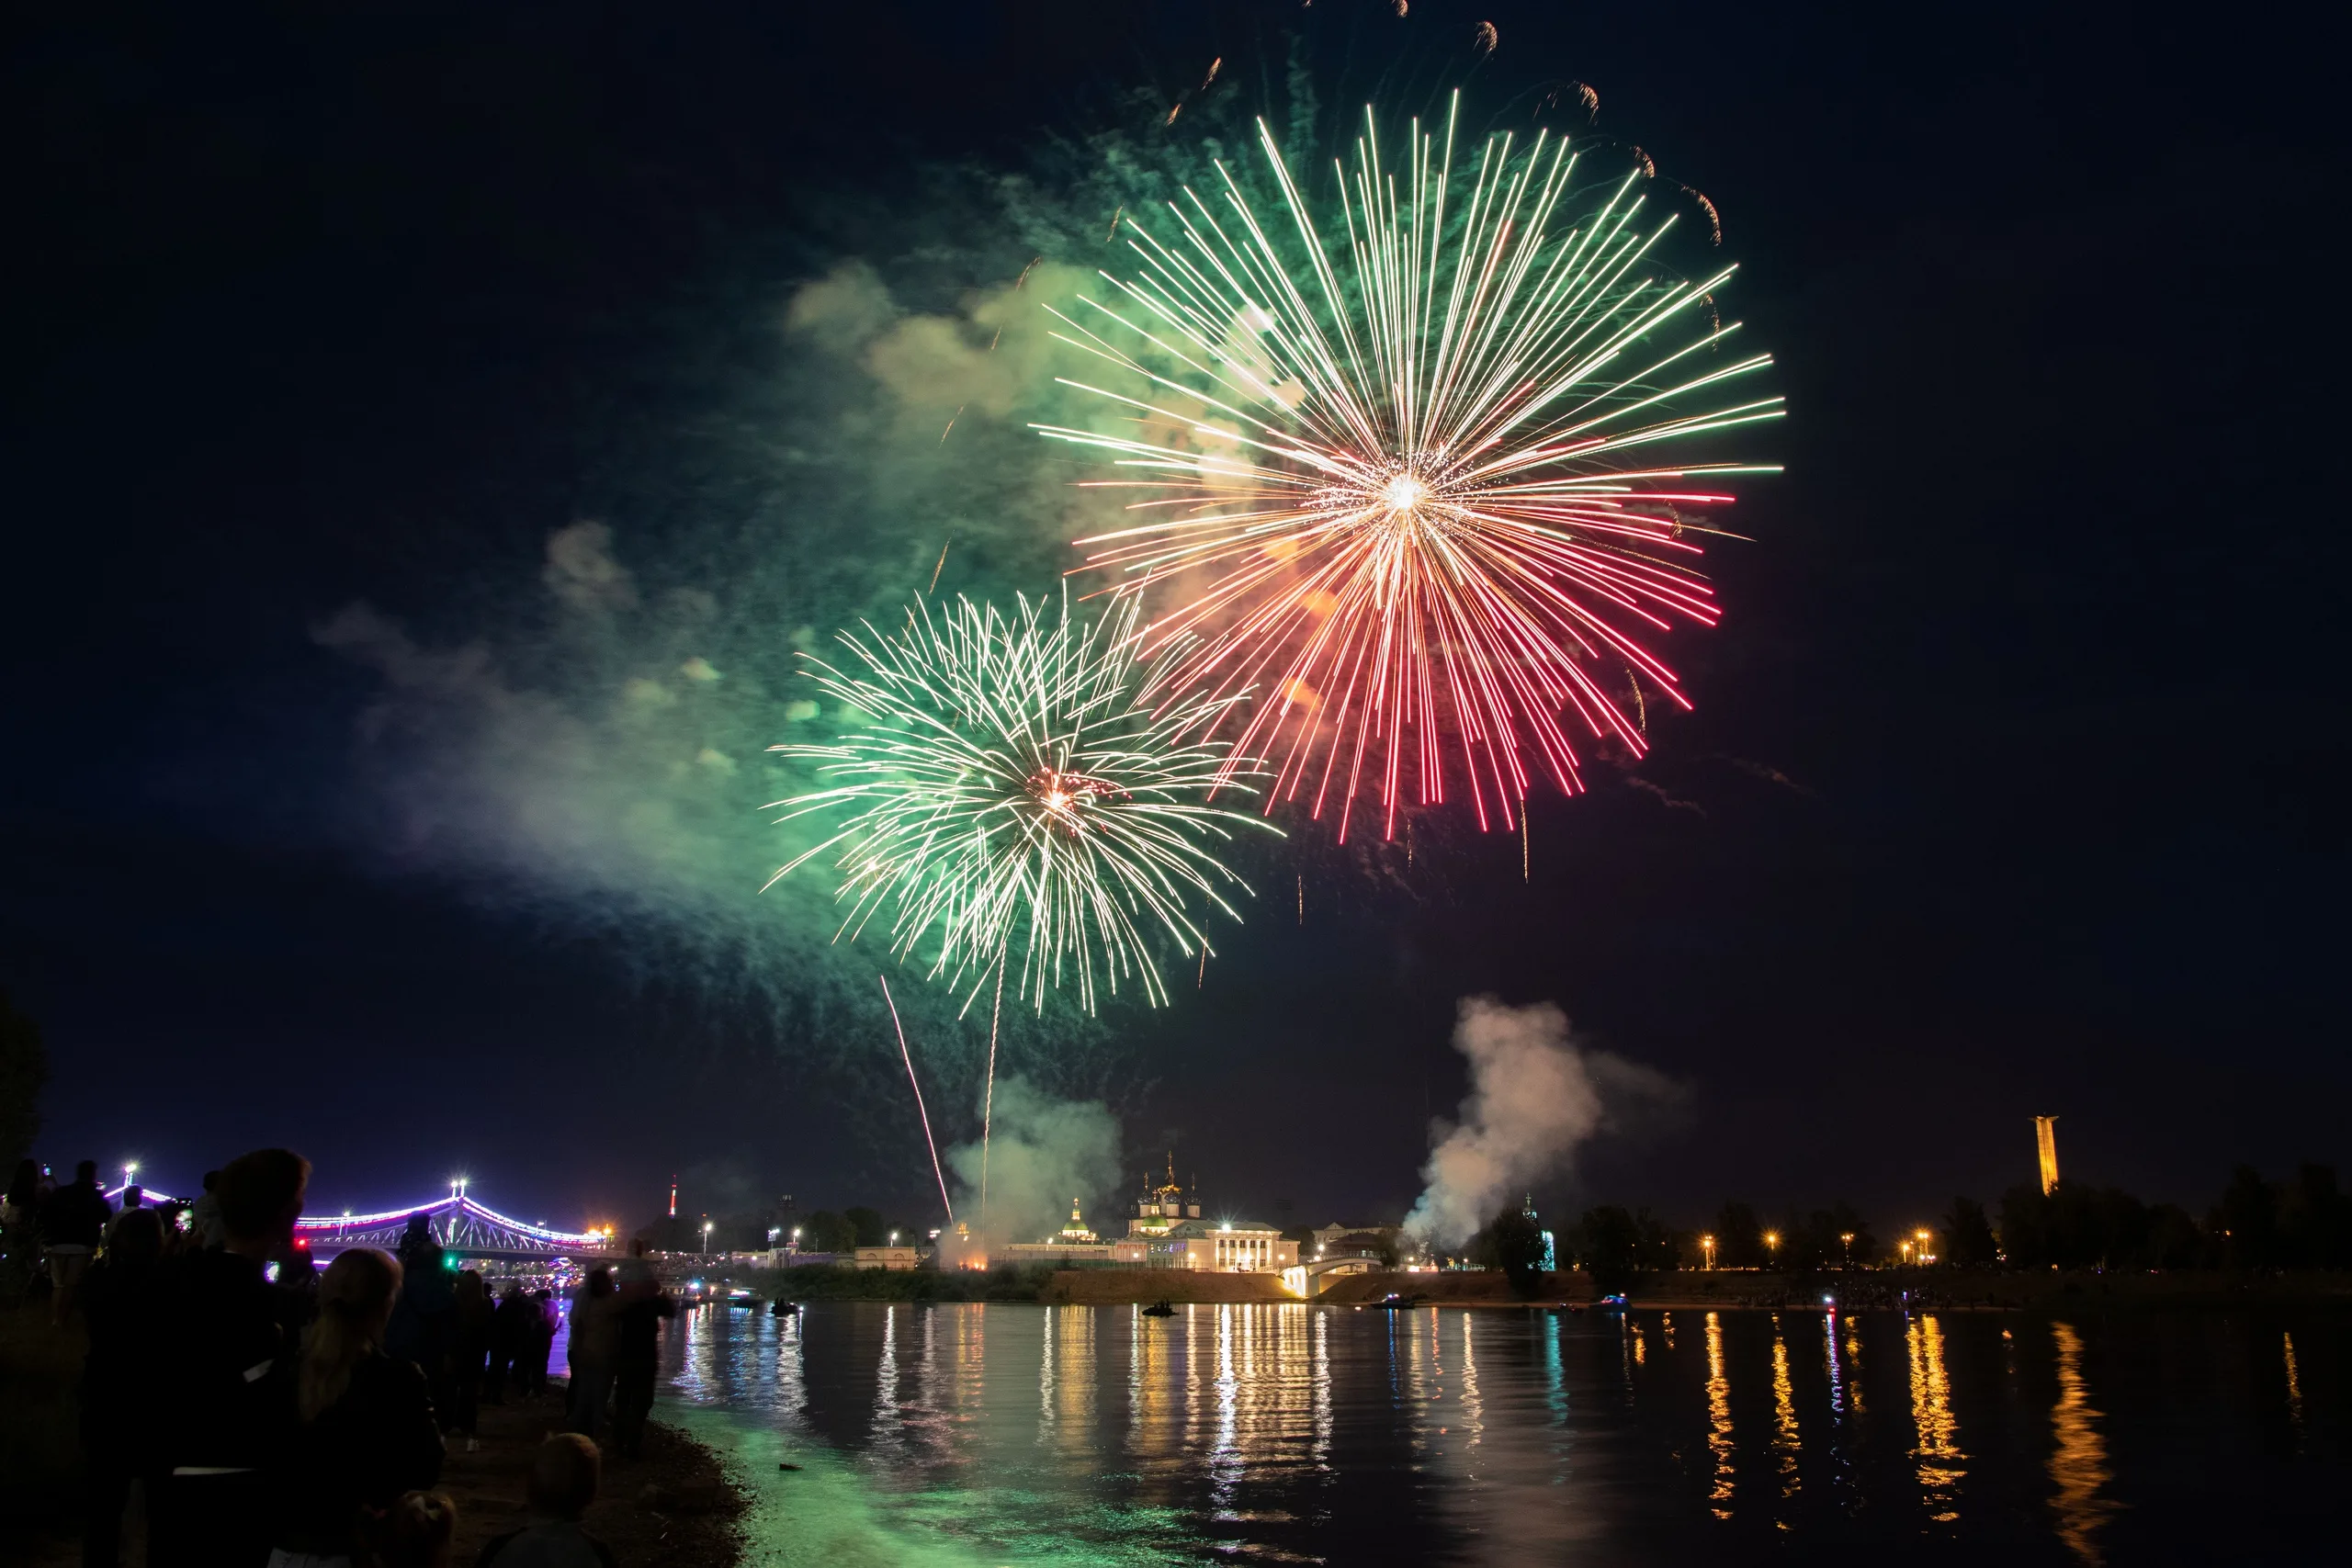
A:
x: 1987, y: 1290
x: 678, y: 1508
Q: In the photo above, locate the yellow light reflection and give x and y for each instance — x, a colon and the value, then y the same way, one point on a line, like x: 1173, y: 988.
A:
x: 2294, y: 1385
x: 1939, y: 1452
x: 2079, y: 1457
x: 1718, y: 1417
x: 1785, y: 1442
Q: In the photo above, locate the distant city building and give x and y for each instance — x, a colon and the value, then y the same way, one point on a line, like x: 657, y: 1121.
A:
x: 1076, y: 1246
x: 1359, y: 1241
x: 1161, y: 1209
x: 886, y: 1258
x: 1224, y: 1246
x: 2045, y: 1138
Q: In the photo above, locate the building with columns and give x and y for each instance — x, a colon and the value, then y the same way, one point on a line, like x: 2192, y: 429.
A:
x: 1224, y: 1246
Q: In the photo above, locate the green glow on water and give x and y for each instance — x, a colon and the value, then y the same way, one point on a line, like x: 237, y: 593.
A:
x: 826, y: 1513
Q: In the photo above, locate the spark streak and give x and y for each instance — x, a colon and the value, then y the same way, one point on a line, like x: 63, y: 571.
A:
x: 908, y: 1056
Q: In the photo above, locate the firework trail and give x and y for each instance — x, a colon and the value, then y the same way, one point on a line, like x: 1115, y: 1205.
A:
x: 1415, y: 485
x: 906, y: 1057
x: 1010, y: 796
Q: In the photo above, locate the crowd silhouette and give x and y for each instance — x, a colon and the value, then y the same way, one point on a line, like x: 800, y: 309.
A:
x: 266, y: 1411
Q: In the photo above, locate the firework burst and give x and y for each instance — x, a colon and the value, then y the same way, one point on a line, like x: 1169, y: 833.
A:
x: 1430, y: 488
x: 1010, y: 796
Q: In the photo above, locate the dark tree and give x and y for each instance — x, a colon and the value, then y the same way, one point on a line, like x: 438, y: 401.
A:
x: 1512, y: 1243
x: 867, y: 1225
x: 2174, y: 1239
x: 1609, y: 1244
x: 1827, y: 1231
x: 1662, y: 1248
x: 24, y: 1069
x: 1739, y: 1237
x: 825, y: 1231
x: 1968, y: 1236
x: 2316, y: 1218
x: 2025, y: 1227
x: 2247, y: 1219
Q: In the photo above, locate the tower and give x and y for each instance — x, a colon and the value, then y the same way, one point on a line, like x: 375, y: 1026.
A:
x: 2045, y: 1138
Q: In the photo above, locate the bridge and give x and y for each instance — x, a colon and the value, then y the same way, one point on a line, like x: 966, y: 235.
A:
x: 459, y: 1223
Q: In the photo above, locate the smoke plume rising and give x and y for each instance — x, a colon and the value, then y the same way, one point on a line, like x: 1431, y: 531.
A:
x: 1045, y: 1152
x: 1536, y: 1095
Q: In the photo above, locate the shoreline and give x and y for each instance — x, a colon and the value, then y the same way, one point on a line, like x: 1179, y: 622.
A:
x: 681, y: 1506
x: 1872, y: 1289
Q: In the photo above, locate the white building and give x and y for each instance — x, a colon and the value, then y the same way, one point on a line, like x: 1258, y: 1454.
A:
x: 1224, y: 1246
x: 1075, y: 1245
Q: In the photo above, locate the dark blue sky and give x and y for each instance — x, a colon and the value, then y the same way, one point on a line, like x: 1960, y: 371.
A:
x: 2042, y: 627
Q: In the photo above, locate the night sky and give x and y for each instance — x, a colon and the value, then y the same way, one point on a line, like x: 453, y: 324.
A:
x: 2015, y: 784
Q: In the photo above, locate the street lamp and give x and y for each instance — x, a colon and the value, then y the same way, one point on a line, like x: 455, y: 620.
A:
x: 1707, y: 1244
x: 1923, y: 1249
x: 1846, y: 1239
x: 705, y: 1235
x: 1772, y: 1244
x: 894, y: 1238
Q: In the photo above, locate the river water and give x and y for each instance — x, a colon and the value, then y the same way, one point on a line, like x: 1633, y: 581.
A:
x: 959, y: 1435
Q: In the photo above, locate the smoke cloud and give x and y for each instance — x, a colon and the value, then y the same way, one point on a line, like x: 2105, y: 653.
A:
x: 1045, y: 1152
x: 1536, y: 1095
x: 574, y: 731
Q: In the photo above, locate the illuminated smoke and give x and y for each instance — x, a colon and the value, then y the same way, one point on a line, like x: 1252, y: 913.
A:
x: 1045, y: 1152
x: 1536, y: 1095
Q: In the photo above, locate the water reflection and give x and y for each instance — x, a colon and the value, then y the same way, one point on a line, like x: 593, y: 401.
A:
x: 1719, y: 1441
x: 1854, y: 1361
x: 1840, y: 1435
x: 2294, y: 1383
x: 2077, y: 1457
x: 966, y: 1436
x: 1784, y: 1415
x: 1938, y: 1452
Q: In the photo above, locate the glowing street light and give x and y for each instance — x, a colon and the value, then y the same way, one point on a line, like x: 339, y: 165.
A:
x: 1924, y: 1237
x: 1772, y: 1244
x: 705, y: 1235
x: 1707, y: 1244
x: 1846, y: 1239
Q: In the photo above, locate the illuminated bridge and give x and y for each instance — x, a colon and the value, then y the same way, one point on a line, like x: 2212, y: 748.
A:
x: 459, y: 1223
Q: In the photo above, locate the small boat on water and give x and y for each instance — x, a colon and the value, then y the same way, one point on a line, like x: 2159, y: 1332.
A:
x: 1160, y: 1309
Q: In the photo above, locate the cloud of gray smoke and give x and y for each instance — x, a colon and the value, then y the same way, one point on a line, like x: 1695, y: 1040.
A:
x: 1535, y: 1096
x: 829, y: 430
x: 1044, y: 1153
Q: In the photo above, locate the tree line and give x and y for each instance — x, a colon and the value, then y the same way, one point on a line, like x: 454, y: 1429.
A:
x: 2302, y: 1222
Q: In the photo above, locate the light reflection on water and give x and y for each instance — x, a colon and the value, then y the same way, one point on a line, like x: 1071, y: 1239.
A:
x: 2079, y: 1457
x: 971, y: 1434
